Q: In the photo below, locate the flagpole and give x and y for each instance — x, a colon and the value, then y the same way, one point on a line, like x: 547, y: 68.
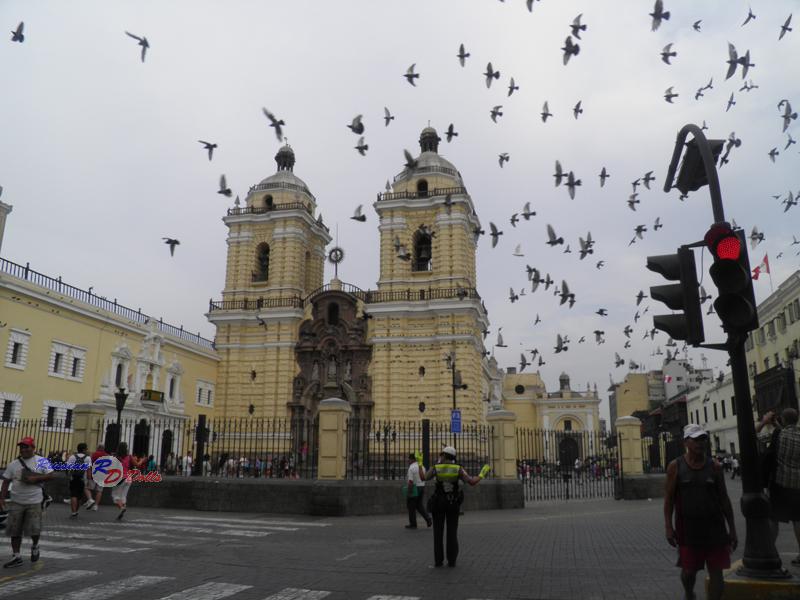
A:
x: 770, y: 282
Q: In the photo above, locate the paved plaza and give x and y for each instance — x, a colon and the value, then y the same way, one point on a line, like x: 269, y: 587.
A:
x: 550, y: 550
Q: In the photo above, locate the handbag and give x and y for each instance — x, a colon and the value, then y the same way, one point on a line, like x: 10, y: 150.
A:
x: 405, y: 493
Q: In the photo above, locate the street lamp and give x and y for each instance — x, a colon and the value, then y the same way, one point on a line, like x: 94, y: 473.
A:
x: 121, y: 397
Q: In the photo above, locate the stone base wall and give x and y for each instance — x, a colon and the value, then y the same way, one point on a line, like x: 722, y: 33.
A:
x: 640, y: 487
x: 297, y: 497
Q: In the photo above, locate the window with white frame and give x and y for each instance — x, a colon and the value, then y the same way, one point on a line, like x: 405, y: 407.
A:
x: 173, y: 389
x: 205, y: 393
x: 17, y: 350
x: 67, y: 361
x: 57, y: 415
x: 10, y: 405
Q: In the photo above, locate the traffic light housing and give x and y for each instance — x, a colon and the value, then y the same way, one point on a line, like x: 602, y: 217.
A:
x: 683, y: 295
x: 692, y: 174
x: 735, y: 303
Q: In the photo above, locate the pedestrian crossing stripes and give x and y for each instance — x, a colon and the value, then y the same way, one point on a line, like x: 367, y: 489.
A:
x: 101, y: 591
x: 237, y: 525
x: 73, y: 546
x: 215, y: 590
x: 72, y: 535
x: 31, y: 583
x: 250, y: 522
x: 208, y: 591
x: 298, y: 594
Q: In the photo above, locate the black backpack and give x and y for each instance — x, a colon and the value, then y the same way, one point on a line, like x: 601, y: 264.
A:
x: 78, y: 474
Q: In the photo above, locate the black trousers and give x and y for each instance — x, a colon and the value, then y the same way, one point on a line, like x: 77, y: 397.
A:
x: 445, y: 515
x: 415, y: 505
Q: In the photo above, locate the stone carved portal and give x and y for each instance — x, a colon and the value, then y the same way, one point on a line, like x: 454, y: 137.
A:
x: 333, y: 357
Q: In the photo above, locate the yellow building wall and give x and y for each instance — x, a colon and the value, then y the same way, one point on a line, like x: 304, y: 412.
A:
x: 632, y: 394
x: 48, y: 316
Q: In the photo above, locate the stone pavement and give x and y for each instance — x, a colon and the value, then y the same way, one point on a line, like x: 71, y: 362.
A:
x: 550, y: 550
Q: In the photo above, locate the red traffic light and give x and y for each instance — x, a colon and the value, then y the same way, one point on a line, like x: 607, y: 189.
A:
x: 723, y: 243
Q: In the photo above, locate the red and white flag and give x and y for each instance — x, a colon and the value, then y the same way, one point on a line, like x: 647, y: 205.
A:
x: 667, y: 378
x: 762, y: 268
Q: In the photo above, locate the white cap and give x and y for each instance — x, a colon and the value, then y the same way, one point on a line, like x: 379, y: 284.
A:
x: 449, y: 450
x: 693, y: 431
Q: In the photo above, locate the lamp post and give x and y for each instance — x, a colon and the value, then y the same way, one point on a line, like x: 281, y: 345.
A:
x: 121, y: 397
x: 456, y: 381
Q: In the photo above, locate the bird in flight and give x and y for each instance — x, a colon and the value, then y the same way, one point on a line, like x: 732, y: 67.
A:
x: 358, y: 216
x: 356, y: 126
x: 411, y: 76
x: 361, y: 146
x: 731, y: 102
x: 639, y: 297
x: 602, y: 312
x: 495, y: 233
x: 648, y: 177
x: 559, y: 174
x: 208, y: 146
x: 773, y: 153
x: 512, y: 87
x: 491, y: 74
x: 142, y: 42
x: 171, y: 243
x: 577, y: 27
x: 572, y: 183
x: 552, y: 240
x: 546, y: 112
x: 527, y: 213
x: 669, y: 94
x: 18, y: 34
x: 633, y: 201
x: 570, y: 49
x: 603, y: 176
x: 276, y: 123
x: 496, y: 112
x: 504, y: 157
x: 785, y: 28
x: 223, y: 187
x: 462, y: 55
x: 411, y: 162
x: 668, y: 53
x: 696, y: 25
x: 788, y: 116
x: 657, y: 225
x: 577, y: 110
x: 450, y: 133
x: 750, y: 16
x: 658, y: 15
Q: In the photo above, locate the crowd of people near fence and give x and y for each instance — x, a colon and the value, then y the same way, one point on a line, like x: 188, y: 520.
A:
x: 592, y: 467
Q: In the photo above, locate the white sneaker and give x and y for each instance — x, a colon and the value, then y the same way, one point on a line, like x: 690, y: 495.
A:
x: 88, y: 504
x: 94, y: 507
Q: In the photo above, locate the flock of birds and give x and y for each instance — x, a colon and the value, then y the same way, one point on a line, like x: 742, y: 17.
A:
x: 561, y: 176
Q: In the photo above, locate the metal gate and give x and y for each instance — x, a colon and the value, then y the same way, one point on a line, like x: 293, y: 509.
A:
x: 563, y: 465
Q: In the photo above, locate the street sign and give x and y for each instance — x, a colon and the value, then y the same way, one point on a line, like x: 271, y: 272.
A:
x: 455, y: 421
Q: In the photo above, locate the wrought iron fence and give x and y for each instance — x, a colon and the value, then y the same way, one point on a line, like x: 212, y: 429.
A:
x: 379, y: 449
x: 659, y: 451
x: 559, y: 465
x: 52, y: 441
x: 222, y: 447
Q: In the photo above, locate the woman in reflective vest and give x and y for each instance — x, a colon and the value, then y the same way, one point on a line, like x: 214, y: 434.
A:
x: 446, y: 502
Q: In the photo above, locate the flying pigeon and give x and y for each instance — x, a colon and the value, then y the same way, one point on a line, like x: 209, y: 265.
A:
x: 18, y: 36
x: 696, y: 25
x: 411, y: 76
x: 496, y: 112
x: 603, y: 176
x: 523, y: 362
x: 526, y: 211
x: 668, y: 53
x: 658, y: 14
x: 546, y: 112
x: 512, y: 87
x: 577, y: 110
x: 552, y: 240
x: 500, y: 343
x: 603, y: 312
x: 356, y: 126
x: 639, y: 297
x: 491, y: 74
x: 494, y: 233
x: 142, y: 42
x: 570, y: 49
x: 577, y: 27
x: 387, y: 116
x: 223, y: 187
x: 450, y: 133
x: 750, y: 16
x: 171, y: 243
x: 648, y: 177
x: 518, y: 251
x: 572, y: 183
x: 504, y: 157
x: 559, y: 174
x: 788, y: 116
x: 669, y: 95
x: 411, y: 162
x: 276, y: 123
x: 208, y: 146
x: 462, y: 55
x: 357, y: 216
x: 785, y: 28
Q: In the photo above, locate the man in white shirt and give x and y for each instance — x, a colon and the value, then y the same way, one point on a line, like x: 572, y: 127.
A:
x: 26, y: 476
x: 415, y: 493
x: 186, y: 465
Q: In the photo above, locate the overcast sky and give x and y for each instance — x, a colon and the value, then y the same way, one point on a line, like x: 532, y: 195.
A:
x: 100, y: 159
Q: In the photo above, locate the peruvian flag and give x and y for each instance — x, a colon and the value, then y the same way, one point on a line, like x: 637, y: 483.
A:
x: 762, y: 268
x: 667, y: 378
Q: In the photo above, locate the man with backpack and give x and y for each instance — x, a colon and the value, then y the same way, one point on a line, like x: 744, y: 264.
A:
x: 28, y: 473
x: 80, y: 464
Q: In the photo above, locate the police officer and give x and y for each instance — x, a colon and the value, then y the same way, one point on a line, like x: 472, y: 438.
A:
x: 446, y: 502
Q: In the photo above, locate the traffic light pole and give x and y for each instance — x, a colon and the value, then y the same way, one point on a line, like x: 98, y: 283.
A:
x: 708, y: 164
x: 760, y: 558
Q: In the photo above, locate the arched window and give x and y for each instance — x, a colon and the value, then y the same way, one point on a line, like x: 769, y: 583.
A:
x: 268, y: 204
x: 118, y: 376
x: 422, y: 188
x: 333, y: 313
x: 422, y: 252
x: 567, y: 425
x: 262, y: 263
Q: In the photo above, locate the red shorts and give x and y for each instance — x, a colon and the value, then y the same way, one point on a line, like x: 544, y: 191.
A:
x: 694, y: 558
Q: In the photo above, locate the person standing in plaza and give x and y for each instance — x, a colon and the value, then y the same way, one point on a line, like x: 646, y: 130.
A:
x: 26, y: 476
x: 91, y: 487
x: 784, y: 484
x: 77, y: 478
x: 186, y: 464
x: 119, y: 493
x: 696, y: 494
x: 734, y: 468
x: 415, y: 493
x: 446, y: 502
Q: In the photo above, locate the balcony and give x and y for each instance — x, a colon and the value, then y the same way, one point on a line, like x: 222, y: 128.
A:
x: 425, y: 194
x: 151, y: 396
